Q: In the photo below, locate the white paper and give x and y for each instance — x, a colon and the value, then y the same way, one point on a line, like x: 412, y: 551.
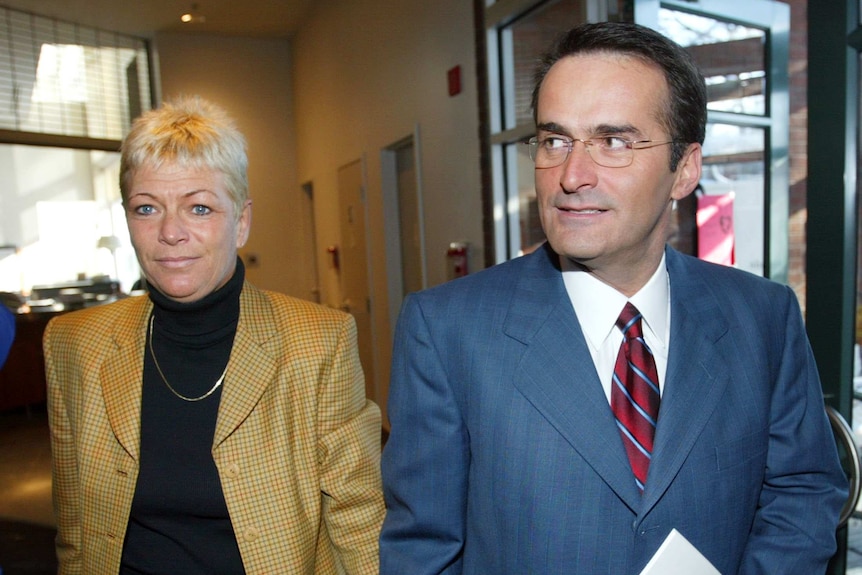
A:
x: 677, y: 556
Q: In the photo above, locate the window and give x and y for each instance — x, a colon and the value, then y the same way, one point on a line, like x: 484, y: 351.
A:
x: 68, y: 94
x: 732, y: 58
x: 65, y: 79
x: 517, y: 34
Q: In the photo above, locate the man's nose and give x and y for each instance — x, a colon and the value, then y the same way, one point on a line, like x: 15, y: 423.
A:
x: 579, y: 169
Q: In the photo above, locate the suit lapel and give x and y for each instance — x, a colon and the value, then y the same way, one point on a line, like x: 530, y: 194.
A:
x: 557, y: 376
x: 121, y: 376
x: 251, y: 367
x: 694, y: 380
x: 250, y: 370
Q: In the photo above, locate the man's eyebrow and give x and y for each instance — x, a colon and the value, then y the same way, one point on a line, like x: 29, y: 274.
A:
x: 552, y: 127
x: 604, y: 129
x: 597, y: 130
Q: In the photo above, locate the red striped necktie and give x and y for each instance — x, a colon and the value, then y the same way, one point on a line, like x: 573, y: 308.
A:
x: 635, y: 394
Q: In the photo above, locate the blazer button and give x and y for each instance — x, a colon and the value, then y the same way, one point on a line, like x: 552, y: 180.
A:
x: 251, y: 534
x: 232, y: 470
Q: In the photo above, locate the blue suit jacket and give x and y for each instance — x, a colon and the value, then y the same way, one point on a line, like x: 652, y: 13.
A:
x: 504, y: 457
x: 7, y: 332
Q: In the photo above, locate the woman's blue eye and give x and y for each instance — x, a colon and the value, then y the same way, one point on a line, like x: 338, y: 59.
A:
x: 144, y: 210
x: 201, y: 210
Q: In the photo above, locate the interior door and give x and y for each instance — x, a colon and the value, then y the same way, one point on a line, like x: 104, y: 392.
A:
x: 353, y: 265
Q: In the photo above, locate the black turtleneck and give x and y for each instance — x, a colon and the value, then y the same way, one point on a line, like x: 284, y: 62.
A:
x: 179, y: 521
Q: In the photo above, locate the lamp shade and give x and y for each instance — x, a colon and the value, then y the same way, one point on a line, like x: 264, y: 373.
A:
x: 109, y: 242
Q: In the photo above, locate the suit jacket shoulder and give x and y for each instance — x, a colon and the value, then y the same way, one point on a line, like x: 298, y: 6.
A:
x: 722, y: 295
x: 535, y: 275
x: 98, y: 329
x: 286, y: 309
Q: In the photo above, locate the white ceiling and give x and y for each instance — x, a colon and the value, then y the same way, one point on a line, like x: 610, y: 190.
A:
x: 255, y: 18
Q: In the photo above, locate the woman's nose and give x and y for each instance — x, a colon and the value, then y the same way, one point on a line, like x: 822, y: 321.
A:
x: 172, y: 229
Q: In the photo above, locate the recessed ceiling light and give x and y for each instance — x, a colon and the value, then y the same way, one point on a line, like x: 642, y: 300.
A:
x: 193, y: 16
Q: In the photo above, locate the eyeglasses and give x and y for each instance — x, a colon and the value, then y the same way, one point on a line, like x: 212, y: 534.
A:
x: 607, y: 151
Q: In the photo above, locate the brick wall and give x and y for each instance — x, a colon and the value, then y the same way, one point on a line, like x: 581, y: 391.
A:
x: 798, y: 144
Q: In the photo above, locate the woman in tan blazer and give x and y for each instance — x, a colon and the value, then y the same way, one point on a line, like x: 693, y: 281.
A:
x: 208, y: 427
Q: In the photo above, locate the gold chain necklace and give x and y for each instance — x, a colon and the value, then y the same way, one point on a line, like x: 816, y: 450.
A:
x: 174, y: 391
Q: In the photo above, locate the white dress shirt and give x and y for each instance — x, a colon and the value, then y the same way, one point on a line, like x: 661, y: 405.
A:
x: 598, y: 305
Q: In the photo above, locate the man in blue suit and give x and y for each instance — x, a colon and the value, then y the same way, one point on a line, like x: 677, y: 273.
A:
x: 507, y: 455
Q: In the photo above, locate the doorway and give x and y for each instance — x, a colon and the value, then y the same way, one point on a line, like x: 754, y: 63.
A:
x: 406, y: 260
x: 308, y: 217
x: 353, y: 265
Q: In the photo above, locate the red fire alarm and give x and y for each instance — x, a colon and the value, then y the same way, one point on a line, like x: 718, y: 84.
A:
x: 454, y: 75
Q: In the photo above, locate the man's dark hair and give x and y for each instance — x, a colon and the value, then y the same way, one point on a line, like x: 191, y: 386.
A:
x: 684, y: 114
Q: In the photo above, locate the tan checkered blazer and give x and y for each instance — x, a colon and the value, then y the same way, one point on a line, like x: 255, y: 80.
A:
x: 297, y: 445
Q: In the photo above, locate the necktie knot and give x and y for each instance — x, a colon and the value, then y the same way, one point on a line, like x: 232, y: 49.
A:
x: 629, y: 322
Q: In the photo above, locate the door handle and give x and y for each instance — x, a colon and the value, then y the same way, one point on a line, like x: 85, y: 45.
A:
x: 334, y: 257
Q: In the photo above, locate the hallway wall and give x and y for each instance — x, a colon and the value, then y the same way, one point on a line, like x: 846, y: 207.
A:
x: 366, y: 74
x: 250, y: 78
x: 360, y: 76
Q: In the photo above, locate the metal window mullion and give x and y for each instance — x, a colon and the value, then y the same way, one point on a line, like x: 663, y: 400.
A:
x: 513, y: 200
x: 507, y: 76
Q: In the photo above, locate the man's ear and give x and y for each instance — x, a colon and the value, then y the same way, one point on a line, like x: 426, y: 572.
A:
x: 688, y: 172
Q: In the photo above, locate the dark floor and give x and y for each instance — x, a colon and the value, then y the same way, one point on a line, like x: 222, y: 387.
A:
x: 26, y: 519
x: 27, y: 524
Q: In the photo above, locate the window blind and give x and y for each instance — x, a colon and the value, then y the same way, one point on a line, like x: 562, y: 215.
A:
x: 62, y: 78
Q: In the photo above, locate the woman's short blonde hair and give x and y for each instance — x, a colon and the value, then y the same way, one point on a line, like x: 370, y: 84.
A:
x: 191, y: 133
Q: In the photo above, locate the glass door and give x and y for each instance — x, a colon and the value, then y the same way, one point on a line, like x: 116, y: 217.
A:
x: 854, y: 526
x: 834, y: 46
x: 743, y: 56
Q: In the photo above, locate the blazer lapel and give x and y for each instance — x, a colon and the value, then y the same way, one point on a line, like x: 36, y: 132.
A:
x: 121, y: 376
x: 557, y: 376
x: 694, y: 377
x: 251, y: 367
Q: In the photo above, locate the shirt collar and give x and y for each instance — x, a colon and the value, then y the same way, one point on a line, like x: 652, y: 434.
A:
x: 598, y: 305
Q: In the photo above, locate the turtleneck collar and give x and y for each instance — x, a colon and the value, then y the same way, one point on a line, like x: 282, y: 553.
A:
x: 211, y: 313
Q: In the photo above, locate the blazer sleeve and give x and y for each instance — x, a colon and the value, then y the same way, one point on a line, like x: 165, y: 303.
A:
x: 7, y: 332
x: 425, y: 460
x: 349, y: 457
x: 64, y: 466
x: 804, y: 487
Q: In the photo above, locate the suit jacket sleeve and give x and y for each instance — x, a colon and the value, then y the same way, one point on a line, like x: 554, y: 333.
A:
x: 425, y: 464
x: 804, y: 487
x: 349, y: 456
x: 7, y: 332
x: 64, y: 463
